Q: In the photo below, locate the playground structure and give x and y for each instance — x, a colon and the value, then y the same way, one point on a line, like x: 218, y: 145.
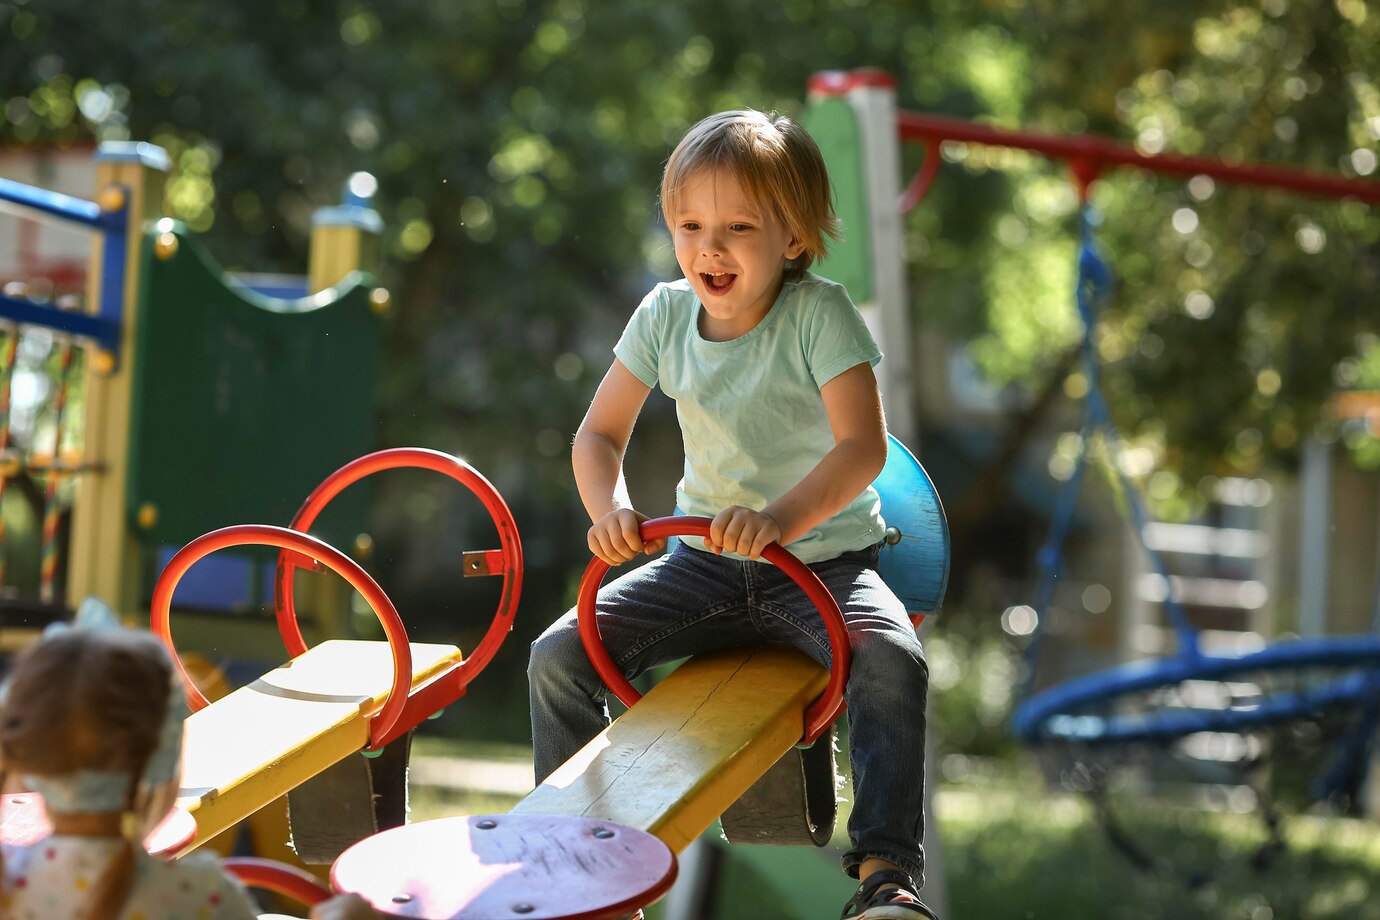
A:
x: 191, y: 383
x: 1195, y: 692
x: 174, y: 353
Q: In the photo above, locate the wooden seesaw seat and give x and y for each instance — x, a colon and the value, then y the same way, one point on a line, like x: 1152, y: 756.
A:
x: 267, y: 738
x: 691, y: 747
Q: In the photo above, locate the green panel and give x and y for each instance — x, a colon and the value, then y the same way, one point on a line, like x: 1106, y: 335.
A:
x: 834, y: 126
x: 244, y: 403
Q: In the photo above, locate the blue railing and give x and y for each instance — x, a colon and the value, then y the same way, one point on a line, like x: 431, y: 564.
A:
x: 102, y: 327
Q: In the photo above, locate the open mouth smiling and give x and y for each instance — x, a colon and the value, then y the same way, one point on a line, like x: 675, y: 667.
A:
x: 718, y: 282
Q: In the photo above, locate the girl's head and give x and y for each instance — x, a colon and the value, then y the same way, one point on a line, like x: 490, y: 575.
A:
x: 778, y: 166
x: 92, y: 719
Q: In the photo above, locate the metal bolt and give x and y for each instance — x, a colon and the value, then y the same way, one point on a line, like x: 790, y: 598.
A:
x: 892, y: 536
x: 523, y: 908
x: 401, y: 898
x: 165, y: 246
x: 603, y: 833
x: 487, y: 824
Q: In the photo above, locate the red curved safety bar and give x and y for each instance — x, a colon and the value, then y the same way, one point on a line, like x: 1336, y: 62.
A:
x: 312, y: 548
x: 401, y: 458
x: 279, y: 878
x: 820, y: 714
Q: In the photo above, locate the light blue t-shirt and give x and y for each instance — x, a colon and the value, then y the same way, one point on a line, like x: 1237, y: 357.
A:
x: 750, y: 409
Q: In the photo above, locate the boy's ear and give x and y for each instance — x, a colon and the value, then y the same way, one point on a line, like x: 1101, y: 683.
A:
x: 794, y: 249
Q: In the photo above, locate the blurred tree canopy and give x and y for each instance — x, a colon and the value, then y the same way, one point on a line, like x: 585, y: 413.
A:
x: 518, y: 145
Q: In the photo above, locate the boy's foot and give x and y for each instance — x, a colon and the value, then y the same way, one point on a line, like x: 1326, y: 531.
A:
x: 887, y: 895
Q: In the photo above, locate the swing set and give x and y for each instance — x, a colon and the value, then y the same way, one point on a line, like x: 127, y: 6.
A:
x: 1330, y: 682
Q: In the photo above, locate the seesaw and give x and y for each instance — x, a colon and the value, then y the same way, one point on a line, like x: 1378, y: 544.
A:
x: 720, y: 736
x: 339, y: 698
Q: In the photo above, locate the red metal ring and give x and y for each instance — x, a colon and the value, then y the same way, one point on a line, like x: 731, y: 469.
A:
x: 402, y: 458
x: 820, y: 714
x: 924, y: 178
x: 311, y: 547
x: 277, y: 877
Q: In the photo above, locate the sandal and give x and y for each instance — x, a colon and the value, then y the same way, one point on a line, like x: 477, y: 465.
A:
x: 899, y: 903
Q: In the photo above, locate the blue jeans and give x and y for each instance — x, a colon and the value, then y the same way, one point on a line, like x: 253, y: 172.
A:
x: 688, y: 602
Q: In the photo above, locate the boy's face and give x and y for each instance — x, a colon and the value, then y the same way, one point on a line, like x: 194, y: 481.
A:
x: 732, y: 251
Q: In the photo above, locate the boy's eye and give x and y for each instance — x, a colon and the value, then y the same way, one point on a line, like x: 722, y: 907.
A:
x: 740, y: 228
x: 690, y: 225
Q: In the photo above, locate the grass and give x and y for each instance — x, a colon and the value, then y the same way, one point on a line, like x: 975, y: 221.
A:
x: 1013, y: 854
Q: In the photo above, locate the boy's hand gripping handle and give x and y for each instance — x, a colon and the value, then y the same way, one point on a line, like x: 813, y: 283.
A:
x: 820, y: 714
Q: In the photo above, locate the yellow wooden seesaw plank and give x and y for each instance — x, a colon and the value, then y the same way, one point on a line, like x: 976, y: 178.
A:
x: 691, y: 747
x: 255, y: 744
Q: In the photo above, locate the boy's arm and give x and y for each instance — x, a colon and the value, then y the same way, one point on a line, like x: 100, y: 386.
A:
x: 854, y: 406
x: 597, y: 457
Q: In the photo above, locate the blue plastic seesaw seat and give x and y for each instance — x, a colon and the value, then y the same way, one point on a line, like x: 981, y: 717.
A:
x: 915, y: 559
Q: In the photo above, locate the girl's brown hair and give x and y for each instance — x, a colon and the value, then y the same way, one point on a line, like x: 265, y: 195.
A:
x: 89, y: 700
x: 779, y: 166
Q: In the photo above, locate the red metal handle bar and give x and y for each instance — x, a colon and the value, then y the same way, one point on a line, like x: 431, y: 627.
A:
x: 423, y: 458
x: 310, y: 547
x: 924, y: 178
x: 820, y: 714
x: 1100, y: 151
x: 277, y: 877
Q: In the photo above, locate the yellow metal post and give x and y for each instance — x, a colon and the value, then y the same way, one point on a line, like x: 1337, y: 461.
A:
x: 344, y: 238
x: 104, y: 558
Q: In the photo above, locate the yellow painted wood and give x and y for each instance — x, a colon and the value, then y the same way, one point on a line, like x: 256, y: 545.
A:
x: 254, y: 745
x: 674, y: 762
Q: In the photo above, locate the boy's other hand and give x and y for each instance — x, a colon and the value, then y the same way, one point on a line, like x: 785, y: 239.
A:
x: 743, y: 531
x: 615, y: 539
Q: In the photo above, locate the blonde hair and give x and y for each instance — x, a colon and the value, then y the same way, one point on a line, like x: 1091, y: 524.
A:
x: 777, y: 163
x: 84, y: 699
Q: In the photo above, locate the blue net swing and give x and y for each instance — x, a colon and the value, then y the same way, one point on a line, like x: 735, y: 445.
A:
x: 1303, y: 709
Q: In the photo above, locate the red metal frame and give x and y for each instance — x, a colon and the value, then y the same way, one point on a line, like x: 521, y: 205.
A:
x: 308, y: 547
x: 1088, y: 155
x: 278, y: 877
x: 404, y: 706
x: 820, y: 714
x: 506, y: 561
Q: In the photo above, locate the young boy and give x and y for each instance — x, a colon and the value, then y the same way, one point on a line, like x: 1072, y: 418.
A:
x: 771, y: 371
